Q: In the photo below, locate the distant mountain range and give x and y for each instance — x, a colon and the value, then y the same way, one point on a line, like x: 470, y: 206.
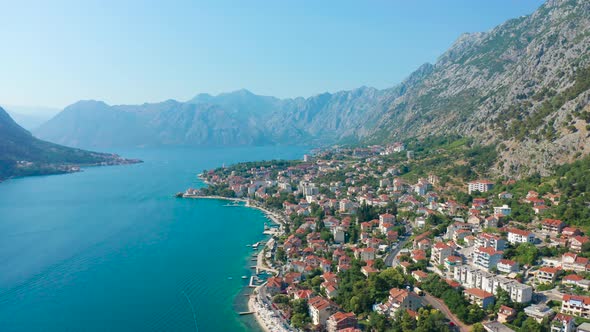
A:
x: 237, y: 118
x: 523, y: 86
x: 30, y: 117
x: 21, y: 154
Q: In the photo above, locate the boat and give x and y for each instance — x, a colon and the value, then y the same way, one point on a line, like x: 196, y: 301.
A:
x: 229, y: 278
x: 244, y: 277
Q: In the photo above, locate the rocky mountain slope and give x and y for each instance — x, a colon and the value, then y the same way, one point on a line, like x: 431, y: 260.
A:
x: 522, y: 86
x: 22, y: 154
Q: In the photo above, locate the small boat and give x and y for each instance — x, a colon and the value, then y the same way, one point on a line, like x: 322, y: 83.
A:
x: 229, y: 278
x: 244, y: 277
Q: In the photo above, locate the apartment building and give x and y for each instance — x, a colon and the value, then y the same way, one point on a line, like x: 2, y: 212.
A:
x: 576, y: 305
x: 471, y: 277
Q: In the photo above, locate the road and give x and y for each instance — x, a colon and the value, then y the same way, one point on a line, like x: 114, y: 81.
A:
x: 438, y: 304
x: 390, y: 259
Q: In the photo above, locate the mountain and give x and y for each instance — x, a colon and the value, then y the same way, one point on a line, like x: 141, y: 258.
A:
x: 22, y: 154
x: 523, y: 86
x: 236, y: 118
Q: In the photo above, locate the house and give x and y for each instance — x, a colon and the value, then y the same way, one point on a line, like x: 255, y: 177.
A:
x: 576, y: 280
x: 486, y: 257
x: 570, y: 231
x: 540, y: 209
x: 340, y: 321
x: 274, y: 285
x: 538, y: 312
x: 330, y: 288
x: 419, y: 275
x: 368, y: 270
x: 339, y: 234
x: 365, y: 254
x: 452, y: 261
x: 303, y: 294
x: 503, y: 210
x: 399, y: 299
x: 571, y: 261
x: 506, y: 314
x: 491, y: 222
x: 577, y: 242
x: 440, y: 251
x: 507, y: 266
x: 553, y: 226
x: 490, y: 240
x: 386, y: 218
x: 479, y: 297
x: 576, y: 305
x: 320, y: 309
x: 563, y: 323
x: 418, y: 255
x: 460, y: 235
x: 516, y: 236
x: 481, y: 186
x: 424, y: 244
x: 547, y: 274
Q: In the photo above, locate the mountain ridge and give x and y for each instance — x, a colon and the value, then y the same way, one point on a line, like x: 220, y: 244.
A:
x: 493, y: 86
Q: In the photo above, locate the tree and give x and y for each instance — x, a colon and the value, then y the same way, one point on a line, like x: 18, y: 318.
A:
x: 530, y: 325
x: 299, y: 320
x: 478, y: 327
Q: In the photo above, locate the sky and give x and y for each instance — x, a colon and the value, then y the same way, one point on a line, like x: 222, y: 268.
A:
x: 54, y: 53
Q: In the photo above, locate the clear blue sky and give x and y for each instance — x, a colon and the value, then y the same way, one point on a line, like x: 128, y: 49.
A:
x: 54, y: 54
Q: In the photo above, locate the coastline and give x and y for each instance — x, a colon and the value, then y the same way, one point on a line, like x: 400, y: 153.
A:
x: 261, y: 315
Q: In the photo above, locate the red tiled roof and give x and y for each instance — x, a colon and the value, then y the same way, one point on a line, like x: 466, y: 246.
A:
x: 548, y: 269
x: 552, y: 222
x: 340, y: 316
x: 584, y: 299
x: 478, y: 293
x: 441, y: 245
x: 507, y: 262
x: 489, y: 250
x: 563, y: 317
x: 573, y: 277
x: 519, y: 232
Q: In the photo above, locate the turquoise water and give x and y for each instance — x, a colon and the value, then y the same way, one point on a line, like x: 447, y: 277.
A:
x: 110, y: 249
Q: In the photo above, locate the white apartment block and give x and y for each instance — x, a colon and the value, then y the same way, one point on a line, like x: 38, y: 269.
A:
x: 470, y: 277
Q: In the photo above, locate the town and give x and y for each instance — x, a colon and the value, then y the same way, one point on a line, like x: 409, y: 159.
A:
x: 388, y: 238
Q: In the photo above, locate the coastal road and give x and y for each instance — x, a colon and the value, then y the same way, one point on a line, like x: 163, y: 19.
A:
x: 438, y: 304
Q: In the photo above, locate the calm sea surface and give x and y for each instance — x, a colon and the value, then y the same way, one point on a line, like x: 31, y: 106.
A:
x: 110, y: 249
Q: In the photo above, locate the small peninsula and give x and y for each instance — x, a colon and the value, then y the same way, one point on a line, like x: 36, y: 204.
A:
x: 21, y: 154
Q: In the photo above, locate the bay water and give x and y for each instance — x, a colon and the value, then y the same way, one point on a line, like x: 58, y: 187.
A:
x: 111, y: 249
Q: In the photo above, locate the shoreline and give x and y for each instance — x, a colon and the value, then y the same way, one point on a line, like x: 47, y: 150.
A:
x: 253, y: 302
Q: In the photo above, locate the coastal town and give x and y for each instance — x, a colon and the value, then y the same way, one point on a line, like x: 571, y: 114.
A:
x: 381, y: 238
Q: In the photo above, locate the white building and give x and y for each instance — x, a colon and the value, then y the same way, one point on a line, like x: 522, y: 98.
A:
x: 504, y: 210
x: 516, y: 236
x: 471, y: 277
x: 481, y: 186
